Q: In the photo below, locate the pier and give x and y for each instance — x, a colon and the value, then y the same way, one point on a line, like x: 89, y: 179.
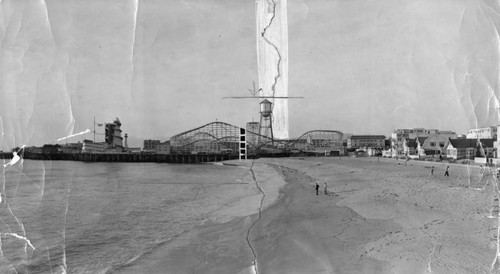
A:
x: 127, y: 157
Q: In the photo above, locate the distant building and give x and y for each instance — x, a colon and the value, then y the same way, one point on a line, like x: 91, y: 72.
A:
x: 92, y: 147
x: 163, y: 148
x: 486, y: 148
x: 435, y: 144
x: 133, y: 150
x: 411, y: 133
x: 252, y: 129
x: 448, y: 133
x: 420, y: 143
x: 410, y: 146
x: 469, y: 148
x: 150, y: 145
x: 113, y: 133
x: 398, y: 137
x: 482, y: 133
x: 366, y: 141
x: 461, y: 149
x: 72, y: 147
x: 33, y: 149
x: 51, y: 149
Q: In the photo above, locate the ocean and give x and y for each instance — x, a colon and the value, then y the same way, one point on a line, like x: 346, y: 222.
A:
x: 78, y: 217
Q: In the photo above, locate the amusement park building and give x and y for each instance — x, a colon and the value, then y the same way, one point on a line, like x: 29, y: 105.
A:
x: 91, y: 147
x: 366, y: 141
x: 223, y: 138
x: 319, y: 141
x: 113, y: 134
x: 163, y: 148
x: 151, y: 144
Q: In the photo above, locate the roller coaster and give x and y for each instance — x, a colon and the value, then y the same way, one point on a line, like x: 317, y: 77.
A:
x: 223, y: 138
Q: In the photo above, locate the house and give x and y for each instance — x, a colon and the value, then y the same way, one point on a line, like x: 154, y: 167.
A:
x: 399, y: 135
x: 420, y: 142
x: 469, y: 148
x: 461, y: 149
x: 486, y: 148
x: 435, y: 144
x: 410, y: 146
x: 414, y: 147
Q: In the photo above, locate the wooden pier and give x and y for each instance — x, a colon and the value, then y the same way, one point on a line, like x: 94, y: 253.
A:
x: 127, y: 157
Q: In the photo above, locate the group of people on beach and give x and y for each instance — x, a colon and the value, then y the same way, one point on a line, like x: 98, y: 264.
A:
x: 446, y: 172
x: 325, y: 188
x: 482, y: 170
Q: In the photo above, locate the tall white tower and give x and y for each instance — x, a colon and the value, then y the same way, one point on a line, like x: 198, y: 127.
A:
x: 272, y: 59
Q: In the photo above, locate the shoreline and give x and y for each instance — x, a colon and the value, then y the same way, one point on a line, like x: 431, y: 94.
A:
x: 219, y: 244
x: 305, y: 232
x: 379, y: 217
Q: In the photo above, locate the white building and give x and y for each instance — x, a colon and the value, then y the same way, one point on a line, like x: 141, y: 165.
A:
x: 90, y: 147
x: 399, y: 135
x: 482, y: 133
x: 252, y: 129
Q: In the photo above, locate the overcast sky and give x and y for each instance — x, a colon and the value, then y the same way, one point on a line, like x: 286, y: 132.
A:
x: 163, y: 66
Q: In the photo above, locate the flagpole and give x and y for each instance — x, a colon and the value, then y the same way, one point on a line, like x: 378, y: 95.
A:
x: 94, y: 129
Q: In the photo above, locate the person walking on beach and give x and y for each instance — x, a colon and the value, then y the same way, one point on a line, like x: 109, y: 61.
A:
x: 432, y: 170
x: 325, y: 188
x: 317, y: 188
x: 446, y: 174
x: 481, y: 170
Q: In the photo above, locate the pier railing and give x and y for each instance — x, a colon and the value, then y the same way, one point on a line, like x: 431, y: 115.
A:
x: 126, y: 157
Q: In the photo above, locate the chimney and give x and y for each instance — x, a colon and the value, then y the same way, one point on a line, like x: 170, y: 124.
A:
x: 126, y: 144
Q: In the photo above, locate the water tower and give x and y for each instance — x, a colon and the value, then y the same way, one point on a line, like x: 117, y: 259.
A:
x: 266, y: 123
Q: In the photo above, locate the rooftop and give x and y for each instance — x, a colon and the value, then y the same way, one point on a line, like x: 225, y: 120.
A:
x: 367, y: 137
x: 469, y: 143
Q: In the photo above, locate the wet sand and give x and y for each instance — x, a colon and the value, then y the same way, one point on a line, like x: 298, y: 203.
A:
x: 379, y: 216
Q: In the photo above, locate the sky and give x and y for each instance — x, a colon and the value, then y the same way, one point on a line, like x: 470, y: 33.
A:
x: 164, y: 66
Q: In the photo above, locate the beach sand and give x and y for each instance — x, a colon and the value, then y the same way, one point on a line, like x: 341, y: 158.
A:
x: 380, y: 216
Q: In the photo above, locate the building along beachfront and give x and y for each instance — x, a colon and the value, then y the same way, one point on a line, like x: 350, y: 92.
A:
x: 399, y: 136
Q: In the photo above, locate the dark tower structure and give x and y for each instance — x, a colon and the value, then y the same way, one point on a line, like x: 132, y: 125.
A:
x: 266, y: 123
